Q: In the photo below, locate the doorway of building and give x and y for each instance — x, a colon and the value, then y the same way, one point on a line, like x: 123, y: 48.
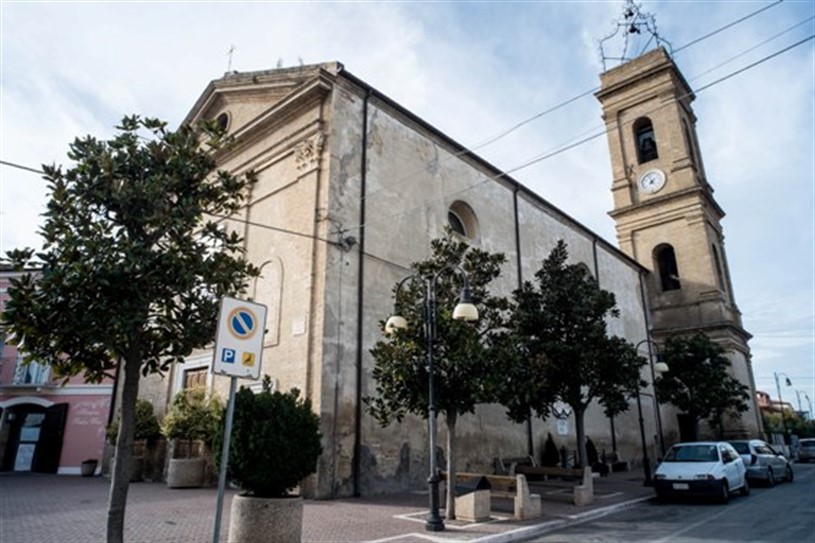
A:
x: 687, y: 427
x: 34, y: 437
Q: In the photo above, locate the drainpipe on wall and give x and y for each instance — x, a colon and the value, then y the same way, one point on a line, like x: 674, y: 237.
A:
x: 360, y: 289
x: 530, y: 446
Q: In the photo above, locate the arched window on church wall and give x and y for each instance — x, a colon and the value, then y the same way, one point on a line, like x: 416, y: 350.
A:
x: 665, y: 264
x: 462, y: 220
x: 645, y: 140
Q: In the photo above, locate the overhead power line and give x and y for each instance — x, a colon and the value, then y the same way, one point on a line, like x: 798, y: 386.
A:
x: 559, y: 150
x: 492, y: 139
x: 566, y: 147
x: 20, y: 167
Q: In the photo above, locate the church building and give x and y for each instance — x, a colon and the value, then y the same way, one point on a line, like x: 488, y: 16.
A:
x: 351, y: 189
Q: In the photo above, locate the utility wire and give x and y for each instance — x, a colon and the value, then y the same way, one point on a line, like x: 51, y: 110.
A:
x: 534, y: 160
x: 508, y: 131
x: 725, y: 27
x: 20, y: 167
x: 526, y: 164
x: 274, y: 228
x: 543, y: 113
x: 564, y: 148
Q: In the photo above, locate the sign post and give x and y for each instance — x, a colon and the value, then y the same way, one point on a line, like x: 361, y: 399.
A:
x: 238, y: 352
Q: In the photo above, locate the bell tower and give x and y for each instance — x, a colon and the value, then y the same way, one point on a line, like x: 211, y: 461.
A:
x: 666, y: 216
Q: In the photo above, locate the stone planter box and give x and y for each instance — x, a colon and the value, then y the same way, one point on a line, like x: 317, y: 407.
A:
x: 266, y: 520
x: 186, y: 472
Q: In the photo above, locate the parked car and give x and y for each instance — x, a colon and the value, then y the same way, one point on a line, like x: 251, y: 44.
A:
x: 763, y: 462
x: 703, y: 468
x: 806, y: 449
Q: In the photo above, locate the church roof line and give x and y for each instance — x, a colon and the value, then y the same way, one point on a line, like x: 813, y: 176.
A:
x: 246, y: 81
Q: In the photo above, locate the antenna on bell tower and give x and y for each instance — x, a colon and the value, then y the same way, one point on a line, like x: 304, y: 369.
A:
x: 635, y: 32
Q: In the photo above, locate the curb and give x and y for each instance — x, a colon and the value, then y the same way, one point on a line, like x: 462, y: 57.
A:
x: 522, y: 534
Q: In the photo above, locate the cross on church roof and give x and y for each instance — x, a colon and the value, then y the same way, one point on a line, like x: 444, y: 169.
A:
x: 635, y: 32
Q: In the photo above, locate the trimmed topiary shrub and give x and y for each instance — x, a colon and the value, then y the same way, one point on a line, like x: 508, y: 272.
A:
x: 193, y: 416
x: 551, y: 456
x: 592, y: 458
x: 275, y: 441
x: 146, y: 424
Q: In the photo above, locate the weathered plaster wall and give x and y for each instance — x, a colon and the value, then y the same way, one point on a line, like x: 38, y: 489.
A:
x: 412, y: 179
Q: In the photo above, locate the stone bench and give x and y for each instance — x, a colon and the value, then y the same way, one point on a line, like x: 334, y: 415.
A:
x: 506, y: 466
x: 475, y: 506
x: 583, y: 493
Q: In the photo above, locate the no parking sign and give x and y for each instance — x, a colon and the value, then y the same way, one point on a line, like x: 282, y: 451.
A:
x: 239, y: 341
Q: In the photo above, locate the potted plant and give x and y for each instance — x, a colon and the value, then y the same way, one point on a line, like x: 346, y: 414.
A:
x: 88, y: 467
x: 146, y: 430
x: 194, y: 416
x: 275, y: 444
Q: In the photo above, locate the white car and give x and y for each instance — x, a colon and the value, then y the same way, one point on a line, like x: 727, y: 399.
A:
x: 763, y: 462
x: 702, y: 468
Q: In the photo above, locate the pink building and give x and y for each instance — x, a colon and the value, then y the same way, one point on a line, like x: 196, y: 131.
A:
x: 46, y: 427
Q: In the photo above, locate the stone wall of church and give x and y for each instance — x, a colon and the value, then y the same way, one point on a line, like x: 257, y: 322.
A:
x: 412, y: 179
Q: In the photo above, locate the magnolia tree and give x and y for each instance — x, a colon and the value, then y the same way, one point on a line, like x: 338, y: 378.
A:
x: 699, y: 382
x: 133, y: 264
x: 556, y: 347
x: 463, y: 364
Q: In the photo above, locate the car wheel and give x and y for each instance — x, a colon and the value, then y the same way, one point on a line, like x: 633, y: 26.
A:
x: 770, y: 477
x: 745, y: 490
x: 661, y: 498
x: 724, y: 498
x: 790, y: 474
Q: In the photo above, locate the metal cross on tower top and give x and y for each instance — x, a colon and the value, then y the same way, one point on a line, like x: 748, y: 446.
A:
x: 639, y: 34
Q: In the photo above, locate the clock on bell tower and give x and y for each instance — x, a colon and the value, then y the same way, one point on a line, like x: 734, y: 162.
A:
x: 664, y: 210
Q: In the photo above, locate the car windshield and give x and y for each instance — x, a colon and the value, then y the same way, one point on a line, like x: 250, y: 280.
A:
x: 807, y: 444
x: 693, y: 453
x: 741, y: 448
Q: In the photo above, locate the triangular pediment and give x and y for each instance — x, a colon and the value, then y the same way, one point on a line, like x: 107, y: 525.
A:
x: 243, y: 97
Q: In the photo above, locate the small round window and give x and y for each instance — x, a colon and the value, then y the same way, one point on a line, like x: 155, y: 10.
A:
x: 462, y: 220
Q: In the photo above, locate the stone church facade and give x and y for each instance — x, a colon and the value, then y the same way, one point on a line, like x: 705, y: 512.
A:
x: 351, y: 189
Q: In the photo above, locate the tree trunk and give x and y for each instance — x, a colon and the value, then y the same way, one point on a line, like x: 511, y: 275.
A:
x: 580, y: 429
x: 120, y: 479
x: 450, y: 511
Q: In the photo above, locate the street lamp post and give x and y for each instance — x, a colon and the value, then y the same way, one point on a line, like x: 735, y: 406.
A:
x: 809, y: 402
x: 781, y: 403
x: 464, y: 310
x: 659, y: 367
x: 646, y: 461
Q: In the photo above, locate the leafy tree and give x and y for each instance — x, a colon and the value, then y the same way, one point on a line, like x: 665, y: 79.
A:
x: 796, y: 425
x: 562, y: 352
x: 133, y: 263
x: 462, y: 359
x: 698, y: 381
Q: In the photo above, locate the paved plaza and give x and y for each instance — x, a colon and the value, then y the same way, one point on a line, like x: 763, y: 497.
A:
x: 70, y: 509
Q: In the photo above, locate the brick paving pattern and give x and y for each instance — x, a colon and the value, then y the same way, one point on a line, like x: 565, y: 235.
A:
x: 38, y: 508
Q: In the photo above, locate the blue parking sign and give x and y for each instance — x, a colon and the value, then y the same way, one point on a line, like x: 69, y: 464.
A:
x: 239, y: 338
x: 228, y: 356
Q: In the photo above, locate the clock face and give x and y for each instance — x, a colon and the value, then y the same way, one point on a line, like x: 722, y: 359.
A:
x: 652, y: 181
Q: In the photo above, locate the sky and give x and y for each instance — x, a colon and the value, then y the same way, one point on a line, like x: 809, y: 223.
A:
x: 473, y: 70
